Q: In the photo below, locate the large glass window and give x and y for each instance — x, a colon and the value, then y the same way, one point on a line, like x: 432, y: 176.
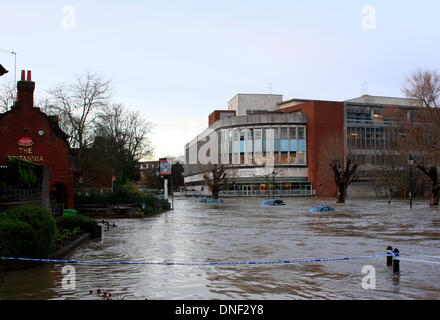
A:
x: 279, y: 145
x: 284, y: 142
x: 292, y: 156
x: 276, y: 139
x: 258, y: 158
x: 284, y: 157
x: 301, y: 134
x: 242, y: 136
x: 258, y: 145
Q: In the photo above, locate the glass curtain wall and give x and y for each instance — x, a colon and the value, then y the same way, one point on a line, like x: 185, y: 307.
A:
x: 255, y: 145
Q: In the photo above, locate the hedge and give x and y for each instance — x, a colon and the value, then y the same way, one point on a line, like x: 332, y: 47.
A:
x: 16, y: 238
x: 86, y: 224
x: 33, y: 232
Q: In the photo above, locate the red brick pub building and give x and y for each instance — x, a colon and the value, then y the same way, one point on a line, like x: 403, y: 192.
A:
x: 31, y: 135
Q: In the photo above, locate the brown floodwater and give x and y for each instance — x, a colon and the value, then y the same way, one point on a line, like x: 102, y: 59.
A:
x: 239, y: 230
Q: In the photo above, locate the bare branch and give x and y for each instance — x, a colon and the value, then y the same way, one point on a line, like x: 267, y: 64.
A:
x: 7, y: 96
x: 77, y: 104
x: 424, y: 86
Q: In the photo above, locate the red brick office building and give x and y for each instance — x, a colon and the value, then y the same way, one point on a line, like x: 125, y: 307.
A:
x: 325, y: 140
x: 31, y: 135
x: 300, y: 139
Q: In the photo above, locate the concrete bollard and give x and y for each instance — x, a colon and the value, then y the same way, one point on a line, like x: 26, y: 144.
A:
x: 389, y: 256
x: 396, y: 261
x: 97, y: 231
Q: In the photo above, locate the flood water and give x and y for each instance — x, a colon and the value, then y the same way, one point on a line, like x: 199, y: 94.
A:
x: 239, y: 230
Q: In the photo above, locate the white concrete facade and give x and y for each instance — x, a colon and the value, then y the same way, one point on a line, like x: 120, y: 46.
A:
x: 244, y: 104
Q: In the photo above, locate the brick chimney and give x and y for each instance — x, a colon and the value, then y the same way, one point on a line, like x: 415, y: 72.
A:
x: 25, y: 91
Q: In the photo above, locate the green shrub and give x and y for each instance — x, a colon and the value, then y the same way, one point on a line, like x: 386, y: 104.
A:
x: 165, y: 204
x: 149, y: 209
x: 85, y: 224
x: 41, y: 224
x: 152, y: 201
x: 62, y: 235
x: 16, y: 238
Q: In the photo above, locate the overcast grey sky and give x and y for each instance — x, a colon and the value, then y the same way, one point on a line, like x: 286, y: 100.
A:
x: 177, y: 61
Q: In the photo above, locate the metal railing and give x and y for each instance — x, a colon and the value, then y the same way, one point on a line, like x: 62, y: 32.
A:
x: 255, y: 193
x: 18, y: 177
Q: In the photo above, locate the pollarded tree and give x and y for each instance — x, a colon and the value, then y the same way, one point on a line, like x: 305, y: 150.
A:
x: 344, y: 176
x: 343, y: 167
x: 214, y: 178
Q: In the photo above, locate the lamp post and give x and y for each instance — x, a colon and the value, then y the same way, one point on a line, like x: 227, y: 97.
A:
x: 410, y: 163
x: 15, y: 62
x: 339, y: 168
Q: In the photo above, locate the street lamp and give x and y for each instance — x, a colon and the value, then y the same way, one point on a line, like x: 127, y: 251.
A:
x: 339, y: 168
x: 15, y: 63
x: 3, y: 70
x: 410, y: 163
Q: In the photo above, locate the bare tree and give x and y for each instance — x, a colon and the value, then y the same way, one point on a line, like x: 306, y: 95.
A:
x: 343, y: 166
x: 138, y: 135
x: 268, y: 175
x: 127, y: 128
x: 389, y: 164
x: 8, y: 93
x: 423, y: 85
x: 214, y: 178
x: 231, y: 177
x: 423, y: 135
x: 344, y: 176
x: 420, y: 141
x: 76, y: 106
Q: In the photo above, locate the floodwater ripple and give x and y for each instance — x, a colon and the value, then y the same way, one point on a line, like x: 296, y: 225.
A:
x: 239, y: 230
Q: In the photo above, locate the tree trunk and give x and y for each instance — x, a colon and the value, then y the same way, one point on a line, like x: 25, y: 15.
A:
x: 434, y: 196
x: 432, y: 173
x: 215, y: 193
x: 390, y: 192
x: 342, y: 192
x: 343, y: 178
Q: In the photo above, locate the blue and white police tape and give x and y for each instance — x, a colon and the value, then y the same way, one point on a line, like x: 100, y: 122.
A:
x: 196, y: 263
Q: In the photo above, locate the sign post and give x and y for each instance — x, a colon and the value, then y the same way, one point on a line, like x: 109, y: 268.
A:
x: 165, y: 170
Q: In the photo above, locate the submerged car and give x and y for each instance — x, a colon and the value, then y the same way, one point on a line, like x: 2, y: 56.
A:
x: 321, y: 209
x: 208, y: 200
x: 272, y: 202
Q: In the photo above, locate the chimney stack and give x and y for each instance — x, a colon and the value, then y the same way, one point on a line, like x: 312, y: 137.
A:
x: 25, y: 91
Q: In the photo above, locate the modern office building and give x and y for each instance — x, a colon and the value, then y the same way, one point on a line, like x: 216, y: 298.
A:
x: 284, y: 147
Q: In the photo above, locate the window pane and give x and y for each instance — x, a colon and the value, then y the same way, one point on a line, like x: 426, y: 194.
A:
x: 292, y: 133
x: 301, y: 133
x: 292, y: 157
x: 284, y: 157
x: 283, y: 135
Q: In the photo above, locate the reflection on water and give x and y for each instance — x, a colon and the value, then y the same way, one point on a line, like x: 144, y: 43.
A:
x: 239, y: 230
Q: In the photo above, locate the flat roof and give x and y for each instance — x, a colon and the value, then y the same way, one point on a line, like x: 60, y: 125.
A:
x: 366, y: 99
x: 255, y: 94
